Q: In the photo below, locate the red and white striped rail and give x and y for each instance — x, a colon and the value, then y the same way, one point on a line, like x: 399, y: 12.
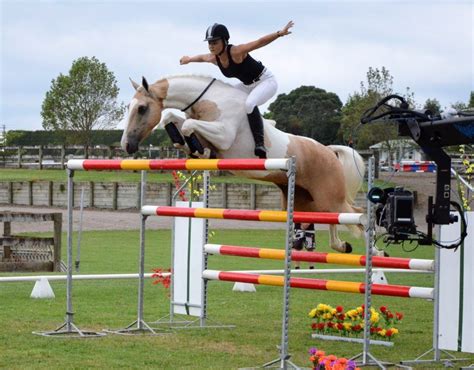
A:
x: 256, y: 215
x: 320, y: 284
x: 241, y: 164
x: 334, y: 258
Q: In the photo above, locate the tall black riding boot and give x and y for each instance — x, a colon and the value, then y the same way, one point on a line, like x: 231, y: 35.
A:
x: 256, y: 126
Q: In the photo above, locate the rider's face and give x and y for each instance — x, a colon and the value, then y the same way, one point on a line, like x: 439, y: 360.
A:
x: 216, y: 46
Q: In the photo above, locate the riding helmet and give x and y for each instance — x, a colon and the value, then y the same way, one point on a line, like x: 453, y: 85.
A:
x: 217, y: 31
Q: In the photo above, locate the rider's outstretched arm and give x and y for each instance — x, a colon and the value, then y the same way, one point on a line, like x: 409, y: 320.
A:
x: 202, y: 58
x: 262, y: 41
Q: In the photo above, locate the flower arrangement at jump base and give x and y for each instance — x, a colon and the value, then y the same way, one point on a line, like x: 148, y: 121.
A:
x: 321, y: 361
x: 194, y: 189
x: 163, y: 277
x: 329, y: 320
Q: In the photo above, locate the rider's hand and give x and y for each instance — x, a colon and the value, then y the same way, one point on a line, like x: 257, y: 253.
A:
x: 184, y: 60
x: 285, y: 31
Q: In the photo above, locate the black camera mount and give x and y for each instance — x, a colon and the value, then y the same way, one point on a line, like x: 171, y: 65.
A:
x: 431, y: 133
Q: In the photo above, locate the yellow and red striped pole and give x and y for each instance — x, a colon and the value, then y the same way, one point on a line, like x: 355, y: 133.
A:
x: 320, y: 284
x: 318, y: 257
x: 242, y: 164
x: 256, y: 215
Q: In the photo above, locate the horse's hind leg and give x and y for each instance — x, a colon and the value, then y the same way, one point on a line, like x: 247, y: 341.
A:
x: 336, y: 243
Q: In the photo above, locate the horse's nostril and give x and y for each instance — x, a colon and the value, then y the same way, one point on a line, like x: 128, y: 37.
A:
x: 131, y: 148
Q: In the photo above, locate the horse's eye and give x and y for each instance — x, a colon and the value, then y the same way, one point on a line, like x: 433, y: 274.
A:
x: 142, y: 109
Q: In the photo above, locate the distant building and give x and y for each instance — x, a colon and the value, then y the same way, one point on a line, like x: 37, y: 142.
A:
x: 393, y: 152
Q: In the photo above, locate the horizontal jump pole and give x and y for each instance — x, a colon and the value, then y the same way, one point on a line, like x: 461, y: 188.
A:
x: 178, y: 164
x: 320, y: 284
x: 334, y: 258
x: 256, y: 215
x: 17, y: 279
x: 333, y: 271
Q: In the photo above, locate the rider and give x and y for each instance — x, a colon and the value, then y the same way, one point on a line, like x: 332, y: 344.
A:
x: 235, y: 61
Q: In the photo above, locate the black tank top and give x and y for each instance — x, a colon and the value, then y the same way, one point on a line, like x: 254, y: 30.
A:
x: 247, y: 71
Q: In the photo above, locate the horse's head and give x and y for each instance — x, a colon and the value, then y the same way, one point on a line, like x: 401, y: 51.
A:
x: 144, y: 113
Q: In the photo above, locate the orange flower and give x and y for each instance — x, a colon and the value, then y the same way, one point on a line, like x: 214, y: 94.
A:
x: 331, y: 358
x: 342, y: 360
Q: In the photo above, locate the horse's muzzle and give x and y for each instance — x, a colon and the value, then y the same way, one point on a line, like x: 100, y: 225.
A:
x: 131, y: 148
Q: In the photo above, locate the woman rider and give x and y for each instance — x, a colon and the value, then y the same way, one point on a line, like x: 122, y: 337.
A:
x: 235, y: 61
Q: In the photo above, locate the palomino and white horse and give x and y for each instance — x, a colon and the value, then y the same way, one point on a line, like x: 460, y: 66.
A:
x: 327, y: 177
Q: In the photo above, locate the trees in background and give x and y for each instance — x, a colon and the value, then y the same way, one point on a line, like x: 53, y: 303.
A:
x: 378, y: 85
x: 308, y: 111
x: 462, y: 106
x: 433, y: 106
x: 82, y: 101
x: 99, y: 137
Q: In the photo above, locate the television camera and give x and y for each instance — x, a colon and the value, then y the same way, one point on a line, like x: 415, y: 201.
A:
x: 431, y: 133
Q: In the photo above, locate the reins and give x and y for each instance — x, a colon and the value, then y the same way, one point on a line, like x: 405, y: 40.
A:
x: 199, y: 97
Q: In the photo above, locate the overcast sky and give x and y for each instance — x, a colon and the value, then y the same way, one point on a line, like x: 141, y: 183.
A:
x: 426, y: 45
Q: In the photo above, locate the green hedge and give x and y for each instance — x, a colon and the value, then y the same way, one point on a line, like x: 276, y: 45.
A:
x: 100, y: 137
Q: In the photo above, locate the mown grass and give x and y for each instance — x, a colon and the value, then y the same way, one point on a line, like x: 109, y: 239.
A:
x: 105, y: 176
x: 113, y: 304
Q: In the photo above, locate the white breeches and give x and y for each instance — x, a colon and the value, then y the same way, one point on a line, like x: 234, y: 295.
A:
x: 259, y: 92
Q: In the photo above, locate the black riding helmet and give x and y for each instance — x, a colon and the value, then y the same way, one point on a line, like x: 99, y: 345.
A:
x: 217, y: 31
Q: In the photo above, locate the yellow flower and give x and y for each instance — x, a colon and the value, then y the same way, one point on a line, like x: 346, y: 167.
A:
x: 382, y: 332
x: 347, y: 325
x: 313, y: 312
x: 359, y: 309
x: 323, y: 307
x: 374, y: 317
x: 394, y: 331
x: 353, y: 314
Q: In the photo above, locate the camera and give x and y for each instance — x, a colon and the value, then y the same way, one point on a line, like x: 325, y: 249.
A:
x: 394, y: 211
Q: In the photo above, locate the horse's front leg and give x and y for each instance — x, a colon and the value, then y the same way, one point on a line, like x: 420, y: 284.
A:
x: 171, y: 123
x: 336, y: 243
x: 214, y: 132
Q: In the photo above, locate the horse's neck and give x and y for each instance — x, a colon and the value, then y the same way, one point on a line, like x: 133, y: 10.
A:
x: 182, y: 91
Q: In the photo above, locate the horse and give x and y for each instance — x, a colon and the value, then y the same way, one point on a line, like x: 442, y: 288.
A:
x: 216, y: 126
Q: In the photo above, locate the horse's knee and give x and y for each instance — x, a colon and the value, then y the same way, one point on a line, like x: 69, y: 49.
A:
x: 249, y: 106
x: 187, y: 129
x: 174, y: 134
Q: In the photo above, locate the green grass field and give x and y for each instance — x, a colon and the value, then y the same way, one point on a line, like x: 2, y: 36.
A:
x: 257, y: 316
x: 103, y: 176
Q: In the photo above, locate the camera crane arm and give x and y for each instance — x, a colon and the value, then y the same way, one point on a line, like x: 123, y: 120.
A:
x: 431, y: 134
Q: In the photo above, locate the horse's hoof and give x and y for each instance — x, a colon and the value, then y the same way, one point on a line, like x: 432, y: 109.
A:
x: 261, y: 152
x: 380, y: 253
x: 348, y: 247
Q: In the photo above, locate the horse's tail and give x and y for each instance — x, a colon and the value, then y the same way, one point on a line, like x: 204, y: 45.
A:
x: 354, y: 171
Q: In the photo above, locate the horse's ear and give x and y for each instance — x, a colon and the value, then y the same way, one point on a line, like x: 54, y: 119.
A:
x: 134, y: 84
x: 145, y: 83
